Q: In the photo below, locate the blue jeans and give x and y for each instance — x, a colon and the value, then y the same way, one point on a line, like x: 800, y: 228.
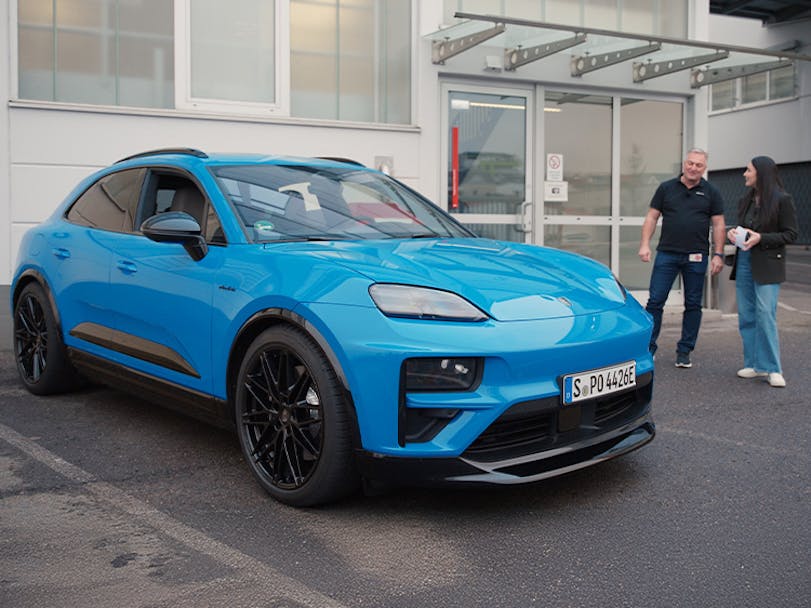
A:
x: 666, y: 267
x: 757, y: 318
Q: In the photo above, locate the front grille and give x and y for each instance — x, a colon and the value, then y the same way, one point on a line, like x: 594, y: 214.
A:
x: 523, y: 423
x: 542, y: 424
x: 613, y: 406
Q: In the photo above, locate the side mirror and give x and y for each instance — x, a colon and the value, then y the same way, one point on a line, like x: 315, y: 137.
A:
x: 176, y: 227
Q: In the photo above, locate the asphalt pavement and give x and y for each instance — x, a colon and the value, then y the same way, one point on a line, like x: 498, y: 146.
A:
x: 108, y: 500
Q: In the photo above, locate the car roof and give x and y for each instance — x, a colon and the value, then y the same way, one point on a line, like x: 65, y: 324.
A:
x: 193, y: 156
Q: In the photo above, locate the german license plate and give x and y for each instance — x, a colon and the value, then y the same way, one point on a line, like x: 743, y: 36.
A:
x: 598, y: 382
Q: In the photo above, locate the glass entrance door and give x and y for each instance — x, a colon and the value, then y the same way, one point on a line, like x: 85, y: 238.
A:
x: 577, y: 173
x: 610, y: 154
x: 487, y: 159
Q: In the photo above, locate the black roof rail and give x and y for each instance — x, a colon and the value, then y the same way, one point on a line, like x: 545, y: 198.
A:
x: 189, y: 151
x: 341, y: 159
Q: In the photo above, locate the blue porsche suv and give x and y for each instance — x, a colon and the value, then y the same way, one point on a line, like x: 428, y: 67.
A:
x: 343, y: 325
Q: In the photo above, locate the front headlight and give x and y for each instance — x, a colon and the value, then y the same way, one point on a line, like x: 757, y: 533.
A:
x: 423, y: 303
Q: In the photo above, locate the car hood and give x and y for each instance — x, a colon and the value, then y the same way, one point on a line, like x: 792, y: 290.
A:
x: 508, y: 281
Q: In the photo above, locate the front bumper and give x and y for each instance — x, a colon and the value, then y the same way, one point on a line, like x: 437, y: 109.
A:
x: 525, y: 468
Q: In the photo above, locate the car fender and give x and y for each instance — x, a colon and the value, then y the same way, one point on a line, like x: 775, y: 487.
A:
x: 267, y: 316
x: 261, y: 319
x: 35, y: 275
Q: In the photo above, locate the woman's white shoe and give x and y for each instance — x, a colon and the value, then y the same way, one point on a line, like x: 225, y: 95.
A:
x: 748, y: 372
x: 777, y: 380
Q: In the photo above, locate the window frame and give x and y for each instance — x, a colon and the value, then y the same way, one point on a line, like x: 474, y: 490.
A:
x: 183, y: 73
x: 185, y: 105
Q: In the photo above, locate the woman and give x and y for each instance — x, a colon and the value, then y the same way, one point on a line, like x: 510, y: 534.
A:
x: 769, y: 221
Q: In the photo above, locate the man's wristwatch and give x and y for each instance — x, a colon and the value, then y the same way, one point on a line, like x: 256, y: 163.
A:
x: 720, y: 255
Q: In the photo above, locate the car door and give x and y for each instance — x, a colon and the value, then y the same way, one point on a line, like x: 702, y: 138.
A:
x: 81, y: 248
x: 161, y: 296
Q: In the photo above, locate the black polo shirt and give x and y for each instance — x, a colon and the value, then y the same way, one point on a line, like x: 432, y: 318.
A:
x: 686, y: 214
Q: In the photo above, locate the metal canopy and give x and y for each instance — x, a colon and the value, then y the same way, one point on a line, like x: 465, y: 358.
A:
x: 524, y: 41
x: 700, y: 78
x: 646, y: 71
x: 445, y: 49
x: 582, y: 64
x: 517, y: 56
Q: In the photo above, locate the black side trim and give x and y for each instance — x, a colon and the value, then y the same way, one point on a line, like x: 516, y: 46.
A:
x: 167, y: 394
x: 127, y: 344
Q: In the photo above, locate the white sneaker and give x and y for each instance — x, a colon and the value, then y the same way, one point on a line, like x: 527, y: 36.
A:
x: 777, y: 380
x: 748, y: 372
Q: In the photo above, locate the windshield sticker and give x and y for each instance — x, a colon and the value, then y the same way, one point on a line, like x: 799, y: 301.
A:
x: 263, y: 226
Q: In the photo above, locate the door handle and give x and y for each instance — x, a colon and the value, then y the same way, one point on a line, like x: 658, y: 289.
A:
x: 526, y: 216
x: 127, y: 267
x: 61, y: 253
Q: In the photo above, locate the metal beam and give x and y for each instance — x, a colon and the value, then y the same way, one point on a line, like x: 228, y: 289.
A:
x: 646, y: 71
x: 700, y: 78
x: 444, y: 49
x: 603, y: 32
x: 582, y: 64
x: 518, y: 56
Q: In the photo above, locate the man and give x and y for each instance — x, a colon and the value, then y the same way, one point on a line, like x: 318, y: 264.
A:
x: 687, y: 205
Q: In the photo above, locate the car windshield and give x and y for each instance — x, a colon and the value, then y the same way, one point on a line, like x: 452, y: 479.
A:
x: 302, y: 202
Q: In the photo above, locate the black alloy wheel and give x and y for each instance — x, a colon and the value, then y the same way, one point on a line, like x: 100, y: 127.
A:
x: 42, y: 361
x: 291, y: 419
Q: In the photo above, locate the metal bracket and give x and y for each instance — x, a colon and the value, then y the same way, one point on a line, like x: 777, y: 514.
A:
x: 700, y: 78
x: 518, y: 56
x: 646, y: 71
x: 445, y: 49
x: 581, y: 64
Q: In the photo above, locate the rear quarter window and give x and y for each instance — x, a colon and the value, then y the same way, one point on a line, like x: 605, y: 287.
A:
x: 110, y: 203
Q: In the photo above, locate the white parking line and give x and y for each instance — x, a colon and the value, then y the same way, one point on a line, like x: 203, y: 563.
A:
x: 281, y: 584
x: 792, y: 309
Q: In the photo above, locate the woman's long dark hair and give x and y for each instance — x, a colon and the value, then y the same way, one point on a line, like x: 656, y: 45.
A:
x: 768, y: 187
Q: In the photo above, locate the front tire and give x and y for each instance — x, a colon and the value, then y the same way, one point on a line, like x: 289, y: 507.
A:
x: 292, y: 420
x: 39, y: 351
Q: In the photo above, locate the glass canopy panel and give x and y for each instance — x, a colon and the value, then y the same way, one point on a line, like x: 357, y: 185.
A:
x: 673, y: 55
x: 517, y: 35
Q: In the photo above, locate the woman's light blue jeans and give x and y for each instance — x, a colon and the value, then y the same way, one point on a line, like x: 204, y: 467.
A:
x: 757, y: 318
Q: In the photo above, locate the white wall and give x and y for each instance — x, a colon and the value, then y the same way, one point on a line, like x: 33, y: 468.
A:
x: 781, y: 130
x: 6, y: 245
x: 50, y: 150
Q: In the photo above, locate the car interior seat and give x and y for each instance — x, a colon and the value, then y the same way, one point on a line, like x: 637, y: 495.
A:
x: 189, y: 199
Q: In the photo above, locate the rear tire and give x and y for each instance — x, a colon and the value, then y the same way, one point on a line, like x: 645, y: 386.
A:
x: 39, y: 351
x: 292, y: 420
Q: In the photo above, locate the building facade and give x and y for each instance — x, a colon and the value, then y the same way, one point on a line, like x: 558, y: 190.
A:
x: 544, y: 121
x: 767, y: 113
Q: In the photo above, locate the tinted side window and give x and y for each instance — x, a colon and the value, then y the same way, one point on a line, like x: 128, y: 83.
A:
x: 110, y: 203
x: 173, y: 192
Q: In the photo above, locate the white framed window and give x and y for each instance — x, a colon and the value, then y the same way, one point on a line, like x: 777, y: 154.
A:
x: 753, y: 90
x: 351, y: 60
x: 232, y: 56
x: 103, y: 52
